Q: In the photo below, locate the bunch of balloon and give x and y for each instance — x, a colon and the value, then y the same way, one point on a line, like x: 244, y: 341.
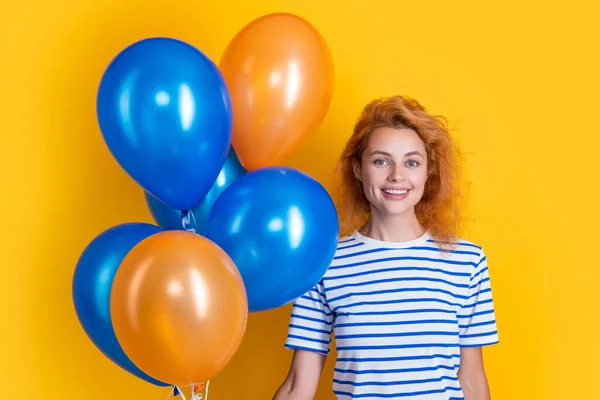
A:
x: 168, y: 306
x: 278, y: 224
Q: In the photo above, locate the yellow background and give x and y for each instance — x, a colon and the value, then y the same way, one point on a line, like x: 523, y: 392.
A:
x: 518, y: 80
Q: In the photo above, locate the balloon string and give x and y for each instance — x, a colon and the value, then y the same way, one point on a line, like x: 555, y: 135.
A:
x: 199, y: 395
x: 188, y: 221
x: 178, y: 393
x: 194, y: 396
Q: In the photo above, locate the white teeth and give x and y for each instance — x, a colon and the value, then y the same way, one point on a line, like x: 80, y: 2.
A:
x: 394, y: 191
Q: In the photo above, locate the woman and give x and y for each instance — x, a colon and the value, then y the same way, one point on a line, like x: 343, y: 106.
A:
x: 409, y: 301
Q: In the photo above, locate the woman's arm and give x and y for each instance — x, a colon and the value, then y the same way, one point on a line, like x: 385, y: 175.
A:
x: 303, y: 377
x: 471, y: 374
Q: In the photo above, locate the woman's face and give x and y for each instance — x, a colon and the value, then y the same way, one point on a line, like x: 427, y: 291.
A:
x: 393, y: 170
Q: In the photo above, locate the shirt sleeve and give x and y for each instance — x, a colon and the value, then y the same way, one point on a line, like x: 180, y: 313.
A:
x: 311, y: 322
x: 476, y: 318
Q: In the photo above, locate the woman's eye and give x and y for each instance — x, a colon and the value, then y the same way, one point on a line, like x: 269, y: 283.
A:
x: 380, y: 163
x: 412, y: 164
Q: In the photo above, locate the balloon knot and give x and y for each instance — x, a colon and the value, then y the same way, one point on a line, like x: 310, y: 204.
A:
x: 188, y: 221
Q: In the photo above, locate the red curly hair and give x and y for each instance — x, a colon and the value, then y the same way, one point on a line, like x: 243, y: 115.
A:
x: 440, y: 208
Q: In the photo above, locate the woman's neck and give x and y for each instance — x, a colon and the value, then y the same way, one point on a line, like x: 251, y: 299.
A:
x: 393, y: 228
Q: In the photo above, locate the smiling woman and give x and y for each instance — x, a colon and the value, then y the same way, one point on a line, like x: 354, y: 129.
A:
x: 410, y: 301
x: 398, y: 132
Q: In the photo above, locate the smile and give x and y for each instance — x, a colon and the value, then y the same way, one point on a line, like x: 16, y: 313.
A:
x: 395, y: 191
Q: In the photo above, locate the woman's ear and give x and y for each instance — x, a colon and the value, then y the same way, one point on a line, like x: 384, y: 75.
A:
x: 356, y: 168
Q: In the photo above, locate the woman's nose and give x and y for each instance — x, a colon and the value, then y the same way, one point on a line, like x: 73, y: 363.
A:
x: 395, y: 176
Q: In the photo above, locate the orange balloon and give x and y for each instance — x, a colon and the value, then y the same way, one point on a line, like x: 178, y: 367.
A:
x: 178, y: 306
x: 279, y: 73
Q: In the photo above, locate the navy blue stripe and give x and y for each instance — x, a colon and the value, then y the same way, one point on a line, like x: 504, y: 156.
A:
x: 321, y: 295
x: 404, y: 358
x: 381, y: 249
x: 478, y: 303
x: 415, y: 311
x: 480, y: 292
x: 397, y: 334
x: 393, y: 395
x: 318, y: 310
x: 490, y: 322
x: 416, y: 300
x: 460, y: 242
x: 396, y: 371
x: 294, y: 347
x: 351, y: 246
x: 394, y: 323
x: 380, y: 260
x: 306, y: 328
x: 394, y: 269
x: 350, y: 239
x: 490, y: 311
x: 396, y: 383
x: 321, y: 321
x: 475, y: 335
x: 401, y: 290
x: 479, y: 283
x: 308, y: 339
x: 305, y: 297
x: 481, y: 271
x: 480, y: 344
x: 398, y: 346
x: 390, y: 280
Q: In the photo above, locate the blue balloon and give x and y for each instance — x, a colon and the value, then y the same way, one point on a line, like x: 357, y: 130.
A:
x: 92, y: 284
x: 280, y: 227
x: 171, y: 219
x: 165, y: 114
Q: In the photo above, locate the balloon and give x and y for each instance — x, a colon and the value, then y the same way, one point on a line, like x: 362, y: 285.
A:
x: 281, y: 229
x: 92, y: 282
x: 179, y: 307
x: 171, y: 219
x: 165, y: 114
x: 279, y: 72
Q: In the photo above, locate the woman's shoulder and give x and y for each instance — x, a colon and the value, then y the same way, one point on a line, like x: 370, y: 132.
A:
x: 460, y: 244
x: 347, y: 240
x: 463, y: 248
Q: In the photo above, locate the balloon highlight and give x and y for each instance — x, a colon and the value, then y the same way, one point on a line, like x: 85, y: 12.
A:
x: 179, y: 307
x: 281, y: 229
x: 165, y: 114
x: 279, y: 71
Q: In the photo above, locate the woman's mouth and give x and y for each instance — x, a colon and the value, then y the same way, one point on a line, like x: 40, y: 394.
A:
x: 395, y: 194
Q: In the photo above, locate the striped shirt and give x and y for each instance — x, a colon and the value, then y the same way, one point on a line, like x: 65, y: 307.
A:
x: 400, y: 312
